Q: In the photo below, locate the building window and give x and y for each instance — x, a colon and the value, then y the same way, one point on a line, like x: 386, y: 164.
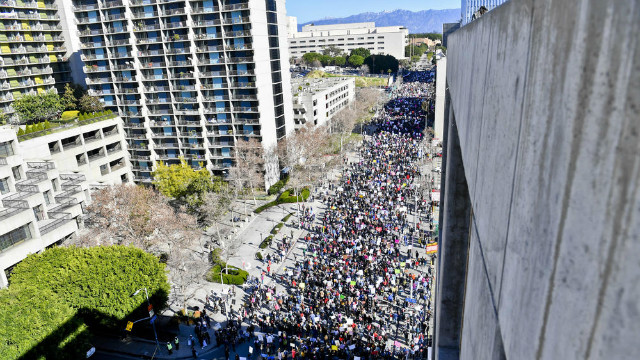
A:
x: 15, y: 236
x: 54, y: 184
x: 47, y: 197
x: 6, y: 149
x: 39, y: 214
x: 4, y: 186
x: 16, y: 173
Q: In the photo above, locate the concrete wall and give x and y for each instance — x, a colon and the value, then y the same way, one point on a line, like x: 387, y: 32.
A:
x: 546, y: 96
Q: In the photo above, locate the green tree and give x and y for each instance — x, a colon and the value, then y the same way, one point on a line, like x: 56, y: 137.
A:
x: 36, y: 108
x: 361, y: 52
x: 381, y: 63
x: 4, y: 118
x: 309, y: 58
x: 326, y: 60
x: 339, y: 60
x: 69, y: 100
x: 332, y: 50
x: 356, y: 60
x: 183, y: 183
x: 90, y: 104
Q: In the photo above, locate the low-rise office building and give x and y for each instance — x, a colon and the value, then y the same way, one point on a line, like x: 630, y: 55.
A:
x: 387, y: 40
x: 317, y: 100
x: 45, y: 182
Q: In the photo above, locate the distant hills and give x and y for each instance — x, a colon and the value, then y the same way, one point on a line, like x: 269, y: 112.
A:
x: 416, y: 21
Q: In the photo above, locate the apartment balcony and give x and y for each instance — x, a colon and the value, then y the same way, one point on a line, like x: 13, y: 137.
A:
x: 207, y: 36
x: 117, y: 30
x: 164, y: 134
x: 238, y: 47
x: 147, y: 27
x: 245, y: 109
x: 239, y: 33
x: 176, y: 25
x: 90, y: 32
x: 114, y: 17
x: 182, y: 75
x: 156, y: 89
x: 90, y: 7
x: 209, y: 74
x: 121, y: 55
x: 144, y: 14
x: 208, y: 49
x: 236, y: 20
x: 166, y: 146
x: 238, y: 60
x: 203, y: 10
x: 111, y: 4
x: 186, y: 100
x: 179, y: 63
x: 87, y: 20
x: 154, y: 77
x: 173, y: 12
x: 243, y: 85
x: 218, y: 61
x: 127, y: 90
x: 160, y: 112
x: 212, y: 110
x: 131, y: 102
x: 92, y: 57
x: 118, y: 42
x: 123, y: 67
x: 158, y: 101
x: 151, y: 65
x: 142, y: 2
x: 133, y: 125
x: 187, y: 112
x: 214, y: 86
x: 235, y: 7
x: 177, y: 37
x: 142, y: 55
x: 153, y: 40
x: 140, y: 158
x: 124, y: 79
x: 176, y: 51
x: 184, y: 88
x: 135, y: 136
x: 161, y: 123
x: 207, y: 23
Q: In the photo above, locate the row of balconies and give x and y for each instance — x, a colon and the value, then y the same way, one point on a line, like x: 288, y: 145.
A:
x: 26, y: 27
x: 29, y: 4
x: 25, y: 72
x: 37, y: 38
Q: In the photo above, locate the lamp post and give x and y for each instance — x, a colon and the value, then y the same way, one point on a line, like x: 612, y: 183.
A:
x: 153, y: 324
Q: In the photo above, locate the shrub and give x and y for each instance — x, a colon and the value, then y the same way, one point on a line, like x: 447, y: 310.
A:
x: 55, y: 293
x: 99, y: 279
x: 284, y: 198
x: 69, y: 115
x: 235, y: 276
x: 35, y: 322
x: 266, y: 242
x: 39, y: 126
x: 286, y: 218
x: 20, y: 132
x: 275, y: 188
x: 259, y: 256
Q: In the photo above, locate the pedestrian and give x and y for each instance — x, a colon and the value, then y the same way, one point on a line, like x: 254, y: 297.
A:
x: 177, y: 342
x: 194, y: 353
x: 169, y: 347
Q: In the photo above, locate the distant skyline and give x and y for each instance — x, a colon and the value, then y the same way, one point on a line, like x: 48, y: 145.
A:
x: 306, y: 10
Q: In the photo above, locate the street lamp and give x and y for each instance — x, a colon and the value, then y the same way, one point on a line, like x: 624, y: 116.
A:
x: 153, y: 324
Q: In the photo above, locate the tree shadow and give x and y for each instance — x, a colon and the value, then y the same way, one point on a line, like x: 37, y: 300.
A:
x: 88, y: 327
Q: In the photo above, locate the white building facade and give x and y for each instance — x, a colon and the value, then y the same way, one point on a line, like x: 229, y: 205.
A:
x: 315, y: 101
x: 184, y: 76
x: 387, y: 40
x: 45, y: 182
x: 468, y: 7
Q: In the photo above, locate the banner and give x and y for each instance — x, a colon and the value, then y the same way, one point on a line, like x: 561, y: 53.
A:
x: 432, y: 248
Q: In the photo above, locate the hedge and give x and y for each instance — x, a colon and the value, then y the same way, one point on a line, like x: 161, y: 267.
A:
x: 275, y: 188
x: 71, y: 287
x: 37, y: 321
x: 236, y: 276
x: 69, y: 115
x: 284, y: 198
x: 259, y: 256
x: 266, y: 242
x: 286, y: 218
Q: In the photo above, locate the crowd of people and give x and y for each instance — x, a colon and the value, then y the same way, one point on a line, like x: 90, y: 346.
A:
x: 361, y: 289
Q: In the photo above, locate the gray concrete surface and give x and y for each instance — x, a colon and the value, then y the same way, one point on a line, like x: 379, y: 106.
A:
x: 546, y: 96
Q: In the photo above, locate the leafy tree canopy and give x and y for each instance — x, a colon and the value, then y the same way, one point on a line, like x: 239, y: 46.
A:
x: 182, y: 182
x: 311, y: 57
x: 360, y: 52
x: 382, y: 63
x: 89, y: 104
x: 40, y: 107
x: 356, y: 60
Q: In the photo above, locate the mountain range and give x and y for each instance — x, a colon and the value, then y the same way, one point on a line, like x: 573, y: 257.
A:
x: 416, y: 21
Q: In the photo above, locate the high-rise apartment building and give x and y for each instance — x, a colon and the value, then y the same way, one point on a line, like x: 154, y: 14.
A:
x: 468, y: 7
x: 189, y: 78
x: 33, y: 55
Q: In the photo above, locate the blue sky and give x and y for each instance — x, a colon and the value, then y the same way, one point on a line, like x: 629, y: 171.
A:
x: 307, y: 10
